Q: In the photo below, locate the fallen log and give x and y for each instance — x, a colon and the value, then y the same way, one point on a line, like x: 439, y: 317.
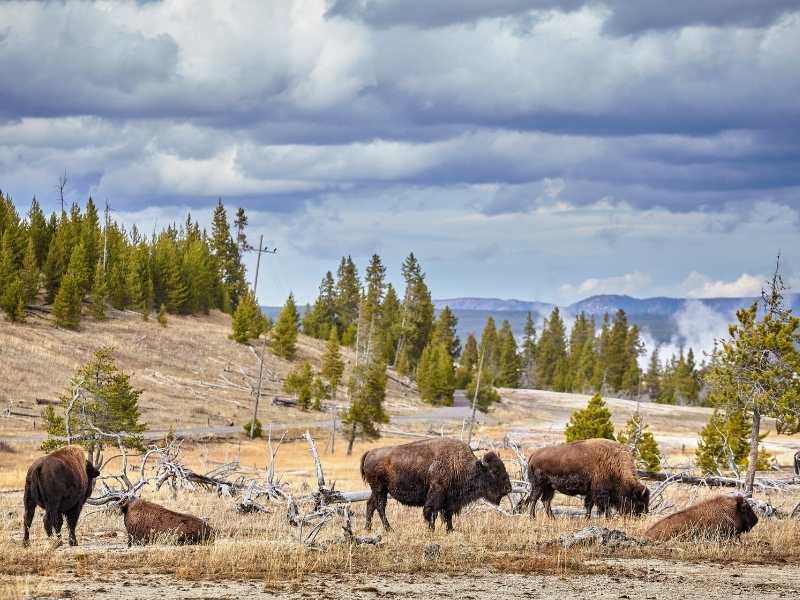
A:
x: 278, y: 401
x: 708, y: 480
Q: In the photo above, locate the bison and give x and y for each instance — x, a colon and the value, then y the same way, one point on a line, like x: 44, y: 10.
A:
x: 146, y: 521
x: 720, y: 517
x: 442, y: 475
x: 600, y: 470
x: 59, y: 483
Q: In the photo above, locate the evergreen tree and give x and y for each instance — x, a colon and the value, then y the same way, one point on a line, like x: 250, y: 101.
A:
x: 109, y: 403
x: 528, y: 352
x: 468, y: 363
x: 348, y: 297
x: 652, y: 380
x: 162, y: 315
x: 584, y: 374
x: 435, y: 375
x: 367, y: 394
x: 551, y: 350
x: 418, y: 313
x: 29, y: 277
x: 322, y: 317
x: 300, y: 382
x: 38, y: 232
x: 487, y: 395
x: 594, y: 421
x: 508, y: 361
x: 616, y: 355
x: 99, y: 293
x: 724, y: 444
x: 67, y: 304
x: 444, y: 332
x: 332, y: 367
x: 248, y: 321
x: 391, y: 324
x: 12, y: 293
x: 489, y: 351
x: 284, y: 333
x: 641, y: 443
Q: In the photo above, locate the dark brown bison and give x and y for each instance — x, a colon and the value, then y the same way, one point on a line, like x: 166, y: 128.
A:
x: 797, y: 463
x: 720, y: 517
x: 600, y: 470
x: 59, y: 483
x: 442, y: 475
x: 146, y: 521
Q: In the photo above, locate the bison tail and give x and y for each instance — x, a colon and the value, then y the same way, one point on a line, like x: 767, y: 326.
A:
x: 363, y: 472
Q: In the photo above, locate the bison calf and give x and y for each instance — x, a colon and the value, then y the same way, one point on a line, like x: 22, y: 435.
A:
x: 600, y: 470
x: 146, y: 521
x: 442, y: 475
x: 59, y: 483
x: 720, y: 517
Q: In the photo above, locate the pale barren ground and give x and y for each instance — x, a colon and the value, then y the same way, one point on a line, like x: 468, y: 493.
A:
x: 489, y: 556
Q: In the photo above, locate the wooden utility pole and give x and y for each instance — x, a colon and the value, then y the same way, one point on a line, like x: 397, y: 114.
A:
x: 261, y: 250
x: 475, y: 399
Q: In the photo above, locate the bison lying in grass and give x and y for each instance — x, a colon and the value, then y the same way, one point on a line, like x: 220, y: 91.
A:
x: 600, y: 470
x: 146, y: 521
x: 720, y: 517
x: 59, y: 483
x: 442, y: 475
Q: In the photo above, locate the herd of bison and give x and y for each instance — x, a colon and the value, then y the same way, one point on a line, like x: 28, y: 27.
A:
x: 441, y: 475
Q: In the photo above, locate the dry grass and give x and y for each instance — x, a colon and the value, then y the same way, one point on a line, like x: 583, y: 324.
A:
x: 265, y: 547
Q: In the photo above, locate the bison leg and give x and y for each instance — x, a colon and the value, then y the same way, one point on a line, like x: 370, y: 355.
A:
x: 381, y: 505
x: 371, y: 506
x: 536, y: 493
x: 30, y: 510
x: 603, y: 501
x: 434, y: 503
x: 588, y: 503
x: 72, y: 523
x: 547, y: 500
x: 447, y: 515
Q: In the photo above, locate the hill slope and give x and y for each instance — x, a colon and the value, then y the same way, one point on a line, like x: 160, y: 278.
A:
x: 191, y: 373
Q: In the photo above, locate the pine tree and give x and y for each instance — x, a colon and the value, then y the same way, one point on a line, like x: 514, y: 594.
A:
x: 444, y: 332
x: 468, y: 363
x: 12, y: 293
x: 348, y: 296
x: 418, y: 313
x: 641, y: 443
x: 162, y: 315
x: 319, y: 321
x: 528, y: 354
x: 284, y: 333
x: 594, y: 421
x: 367, y: 393
x: 38, y: 232
x: 551, y: 350
x: 110, y: 403
x: 652, y: 379
x: 632, y: 375
x: 508, y: 361
x: 616, y: 355
x: 29, y: 276
x: 391, y: 324
x: 487, y: 395
x: 488, y: 350
x: 67, y: 304
x: 435, y: 375
x: 584, y: 374
x: 248, y: 321
x: 299, y: 382
x: 724, y: 444
x: 332, y: 367
x: 99, y: 293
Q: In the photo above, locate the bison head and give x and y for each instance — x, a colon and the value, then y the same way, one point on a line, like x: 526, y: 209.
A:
x: 493, y: 479
x: 747, y: 514
x: 640, y: 501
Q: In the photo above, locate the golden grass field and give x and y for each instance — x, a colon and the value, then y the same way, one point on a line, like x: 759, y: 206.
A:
x: 489, y: 556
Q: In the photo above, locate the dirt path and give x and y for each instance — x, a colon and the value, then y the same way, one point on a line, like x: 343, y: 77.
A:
x: 629, y: 579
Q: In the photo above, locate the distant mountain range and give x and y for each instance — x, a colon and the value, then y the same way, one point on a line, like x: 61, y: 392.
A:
x: 654, y: 315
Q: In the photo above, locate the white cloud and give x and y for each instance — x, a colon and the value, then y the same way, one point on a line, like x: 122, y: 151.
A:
x: 698, y: 285
x: 629, y: 283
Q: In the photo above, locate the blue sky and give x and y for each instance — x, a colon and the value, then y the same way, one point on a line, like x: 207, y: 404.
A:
x: 540, y: 150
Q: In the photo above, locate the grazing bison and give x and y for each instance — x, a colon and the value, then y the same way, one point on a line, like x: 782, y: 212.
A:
x: 59, y: 483
x: 600, y: 470
x: 146, y: 521
x: 720, y: 517
x: 442, y: 475
x: 797, y: 463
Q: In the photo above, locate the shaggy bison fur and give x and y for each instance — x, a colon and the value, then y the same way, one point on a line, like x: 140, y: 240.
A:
x: 600, y: 470
x: 59, y: 483
x: 720, y: 517
x: 442, y: 475
x: 146, y: 521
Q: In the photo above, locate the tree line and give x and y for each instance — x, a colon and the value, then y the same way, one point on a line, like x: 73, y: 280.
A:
x: 74, y: 258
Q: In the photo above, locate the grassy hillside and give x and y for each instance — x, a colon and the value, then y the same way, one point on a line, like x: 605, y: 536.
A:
x: 191, y: 374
